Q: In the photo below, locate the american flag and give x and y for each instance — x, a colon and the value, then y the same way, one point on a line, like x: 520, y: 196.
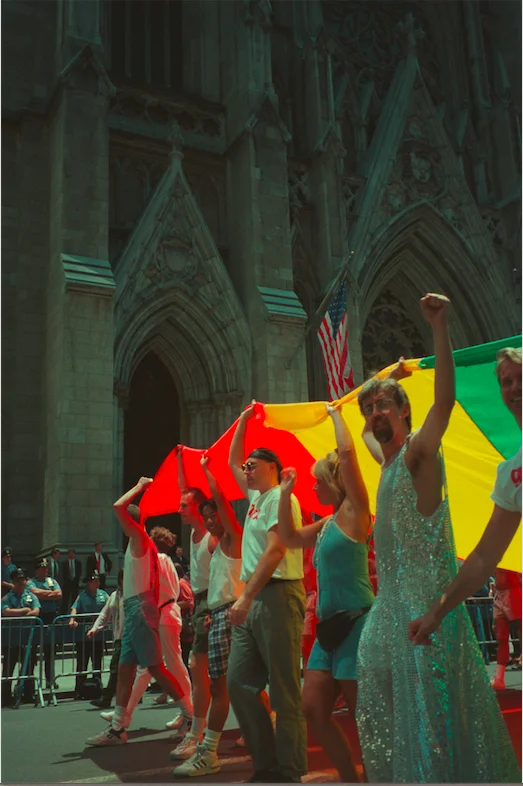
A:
x: 334, y: 344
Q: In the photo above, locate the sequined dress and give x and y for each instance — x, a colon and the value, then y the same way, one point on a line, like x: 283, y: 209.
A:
x: 425, y: 714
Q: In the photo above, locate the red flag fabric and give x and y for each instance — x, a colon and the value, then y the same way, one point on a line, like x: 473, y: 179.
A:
x: 163, y: 495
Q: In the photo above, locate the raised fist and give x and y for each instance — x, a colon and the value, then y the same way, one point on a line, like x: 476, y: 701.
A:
x: 434, y: 308
x: 288, y: 479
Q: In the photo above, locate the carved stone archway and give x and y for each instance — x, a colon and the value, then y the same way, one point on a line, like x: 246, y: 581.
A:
x: 420, y: 252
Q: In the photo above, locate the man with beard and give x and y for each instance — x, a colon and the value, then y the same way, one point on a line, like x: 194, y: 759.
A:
x: 423, y: 713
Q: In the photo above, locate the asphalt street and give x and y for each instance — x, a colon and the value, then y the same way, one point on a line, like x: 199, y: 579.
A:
x: 47, y: 745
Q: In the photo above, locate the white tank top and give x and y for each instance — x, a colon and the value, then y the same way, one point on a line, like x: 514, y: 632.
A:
x: 136, y: 573
x: 224, y: 581
x: 200, y: 562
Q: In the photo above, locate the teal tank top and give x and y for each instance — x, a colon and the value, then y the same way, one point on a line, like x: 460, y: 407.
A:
x: 342, y: 572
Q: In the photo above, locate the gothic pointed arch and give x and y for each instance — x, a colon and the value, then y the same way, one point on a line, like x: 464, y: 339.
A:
x: 421, y: 251
x: 173, y: 294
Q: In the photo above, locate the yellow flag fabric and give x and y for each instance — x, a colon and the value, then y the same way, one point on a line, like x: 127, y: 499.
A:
x: 470, y: 458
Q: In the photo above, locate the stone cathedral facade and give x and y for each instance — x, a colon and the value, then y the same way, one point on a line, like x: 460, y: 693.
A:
x: 182, y: 180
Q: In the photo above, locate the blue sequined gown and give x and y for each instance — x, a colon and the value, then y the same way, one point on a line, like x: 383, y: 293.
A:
x: 425, y: 714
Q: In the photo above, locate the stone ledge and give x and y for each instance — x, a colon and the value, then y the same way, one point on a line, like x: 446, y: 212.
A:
x: 87, y: 275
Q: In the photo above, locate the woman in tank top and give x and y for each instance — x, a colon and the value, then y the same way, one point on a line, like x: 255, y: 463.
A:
x: 344, y: 588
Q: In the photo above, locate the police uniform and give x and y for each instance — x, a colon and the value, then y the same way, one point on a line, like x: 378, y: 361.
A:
x: 7, y: 570
x: 48, y: 611
x: 89, y: 649
x: 16, y: 652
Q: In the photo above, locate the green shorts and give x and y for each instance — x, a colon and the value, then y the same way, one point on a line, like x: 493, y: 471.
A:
x: 201, y: 633
x: 141, y: 639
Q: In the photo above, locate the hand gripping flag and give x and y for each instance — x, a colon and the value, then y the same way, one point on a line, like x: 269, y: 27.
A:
x: 481, y: 433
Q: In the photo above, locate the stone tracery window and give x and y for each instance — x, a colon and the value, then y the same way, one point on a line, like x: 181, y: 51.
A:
x: 389, y: 333
x: 144, y: 41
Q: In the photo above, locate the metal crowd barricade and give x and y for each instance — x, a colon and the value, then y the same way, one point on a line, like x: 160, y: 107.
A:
x: 72, y: 651
x: 481, y: 611
x: 23, y: 643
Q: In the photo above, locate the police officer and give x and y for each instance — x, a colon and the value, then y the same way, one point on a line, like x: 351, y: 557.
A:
x: 90, y: 601
x: 48, y: 592
x: 19, y: 602
x: 8, y: 568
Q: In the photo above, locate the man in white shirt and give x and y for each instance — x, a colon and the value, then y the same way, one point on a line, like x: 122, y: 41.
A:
x: 141, y: 639
x: 504, y: 521
x: 203, y: 545
x: 268, y: 622
x: 170, y: 627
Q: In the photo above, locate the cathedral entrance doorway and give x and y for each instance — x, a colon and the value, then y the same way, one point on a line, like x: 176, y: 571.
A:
x: 151, y: 427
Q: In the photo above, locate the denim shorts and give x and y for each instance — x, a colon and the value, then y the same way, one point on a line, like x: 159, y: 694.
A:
x: 141, y: 639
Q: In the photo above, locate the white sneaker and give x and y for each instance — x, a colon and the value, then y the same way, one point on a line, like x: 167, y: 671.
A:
x: 108, y: 737
x: 186, y: 748
x: 175, y: 723
x: 181, y: 729
x: 107, y: 716
x: 498, y: 684
x: 203, y: 762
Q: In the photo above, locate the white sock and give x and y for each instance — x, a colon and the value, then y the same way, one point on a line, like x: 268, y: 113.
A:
x: 120, y: 719
x: 211, y: 740
x: 500, y: 672
x: 198, y: 727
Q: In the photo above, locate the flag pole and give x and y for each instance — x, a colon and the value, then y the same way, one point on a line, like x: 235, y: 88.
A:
x: 318, y: 315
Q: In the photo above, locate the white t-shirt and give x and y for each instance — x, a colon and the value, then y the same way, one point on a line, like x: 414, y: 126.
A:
x: 200, y: 563
x: 261, y: 517
x: 169, y: 588
x: 507, y: 491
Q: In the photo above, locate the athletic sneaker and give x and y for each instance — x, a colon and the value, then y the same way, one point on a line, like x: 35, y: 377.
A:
x: 203, y: 762
x: 175, y: 723
x: 186, y: 748
x: 498, y: 684
x: 108, y: 737
x: 107, y: 716
x: 181, y: 729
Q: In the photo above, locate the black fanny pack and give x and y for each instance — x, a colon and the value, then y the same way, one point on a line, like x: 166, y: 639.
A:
x: 334, y: 630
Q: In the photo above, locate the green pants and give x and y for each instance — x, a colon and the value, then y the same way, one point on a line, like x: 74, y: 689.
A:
x: 267, y: 649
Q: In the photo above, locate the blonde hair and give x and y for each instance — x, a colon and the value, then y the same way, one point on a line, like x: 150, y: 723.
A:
x: 327, y: 469
x: 507, y: 353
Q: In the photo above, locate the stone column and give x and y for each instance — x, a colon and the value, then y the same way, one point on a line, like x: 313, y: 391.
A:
x: 79, y: 354
x: 258, y: 208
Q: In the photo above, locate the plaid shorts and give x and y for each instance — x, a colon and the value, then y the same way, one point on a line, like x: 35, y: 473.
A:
x: 220, y: 636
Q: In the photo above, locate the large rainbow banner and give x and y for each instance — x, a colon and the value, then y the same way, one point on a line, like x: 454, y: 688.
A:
x: 481, y: 433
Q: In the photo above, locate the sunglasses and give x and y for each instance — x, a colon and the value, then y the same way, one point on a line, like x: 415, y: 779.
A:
x: 382, y: 405
x: 249, y: 466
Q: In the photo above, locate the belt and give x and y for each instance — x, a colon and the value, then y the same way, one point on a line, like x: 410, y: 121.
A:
x: 281, y: 581
x: 171, y: 600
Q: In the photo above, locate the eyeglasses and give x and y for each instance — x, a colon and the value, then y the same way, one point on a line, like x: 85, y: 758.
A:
x: 249, y: 466
x: 381, y: 404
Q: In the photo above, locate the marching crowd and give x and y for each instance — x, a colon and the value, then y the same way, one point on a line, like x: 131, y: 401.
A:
x: 405, y: 660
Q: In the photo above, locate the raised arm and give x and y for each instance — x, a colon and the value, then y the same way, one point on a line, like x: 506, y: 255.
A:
x: 225, y: 510
x: 290, y: 535
x: 427, y: 440
x: 131, y: 529
x: 237, y: 451
x: 355, y: 489
x: 475, y: 571
x: 182, y: 480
